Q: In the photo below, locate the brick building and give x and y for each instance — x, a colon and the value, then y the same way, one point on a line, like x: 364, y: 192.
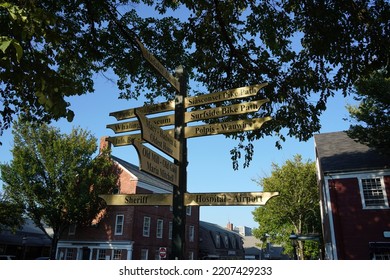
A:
x: 130, y: 232
x: 354, y: 185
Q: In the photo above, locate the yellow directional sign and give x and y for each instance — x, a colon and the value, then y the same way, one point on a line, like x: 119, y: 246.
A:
x: 128, y: 139
x: 135, y: 125
x: 158, y: 66
x: 223, y: 95
x: 147, y: 109
x: 124, y: 140
x: 224, y: 128
x: 236, y: 109
x: 159, y: 138
x: 228, y: 199
x: 193, y: 199
x: 138, y: 199
x: 157, y: 165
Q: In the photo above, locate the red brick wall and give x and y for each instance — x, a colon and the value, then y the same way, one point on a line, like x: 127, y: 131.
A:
x: 354, y: 226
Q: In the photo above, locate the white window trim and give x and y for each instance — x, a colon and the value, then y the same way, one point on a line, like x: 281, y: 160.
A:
x: 113, y: 254
x: 160, y: 228
x: 386, y: 200
x: 104, y: 253
x: 191, y: 234
x: 72, y: 229
x: 170, y: 229
x: 146, y: 251
x: 147, y: 232
x: 119, y: 224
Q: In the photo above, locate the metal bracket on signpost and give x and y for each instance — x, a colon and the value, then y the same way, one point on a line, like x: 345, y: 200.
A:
x: 179, y: 210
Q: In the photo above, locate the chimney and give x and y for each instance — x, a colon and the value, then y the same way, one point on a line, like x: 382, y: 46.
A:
x: 104, y: 144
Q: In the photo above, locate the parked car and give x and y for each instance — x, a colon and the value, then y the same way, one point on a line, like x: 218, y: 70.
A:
x: 7, y: 257
x: 43, y: 258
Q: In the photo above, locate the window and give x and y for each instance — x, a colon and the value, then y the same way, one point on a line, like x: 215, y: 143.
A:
x: 217, y: 240
x: 188, y: 210
x: 119, y: 224
x: 373, y: 191
x: 144, y: 254
x: 159, y: 231
x: 72, y: 230
x: 191, y: 234
x: 233, y: 241
x: 191, y: 255
x: 157, y: 255
x: 226, y: 241
x: 69, y: 254
x: 379, y: 250
x: 101, y: 254
x: 170, y: 227
x: 117, y: 254
x: 146, y: 228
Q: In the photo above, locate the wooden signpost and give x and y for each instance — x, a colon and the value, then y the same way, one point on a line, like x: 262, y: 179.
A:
x: 173, y: 143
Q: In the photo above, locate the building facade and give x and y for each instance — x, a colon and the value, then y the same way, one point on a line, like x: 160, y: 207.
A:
x: 26, y: 243
x: 218, y: 243
x: 130, y: 232
x: 354, y: 183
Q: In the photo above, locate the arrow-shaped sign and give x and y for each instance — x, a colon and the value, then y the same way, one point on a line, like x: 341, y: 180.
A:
x: 236, y: 109
x: 128, y: 139
x: 158, y: 66
x: 158, y: 137
x: 193, y: 199
x: 147, y: 109
x: 138, y: 199
x: 135, y: 125
x: 223, y: 95
x: 157, y: 165
x: 225, y: 127
x: 228, y: 199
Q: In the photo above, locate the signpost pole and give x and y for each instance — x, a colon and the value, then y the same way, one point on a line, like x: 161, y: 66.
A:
x: 179, y: 210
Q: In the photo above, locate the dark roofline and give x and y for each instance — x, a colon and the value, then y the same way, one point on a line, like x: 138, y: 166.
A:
x: 338, y: 153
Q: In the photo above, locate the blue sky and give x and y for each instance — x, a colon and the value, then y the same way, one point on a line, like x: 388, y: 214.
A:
x: 210, y: 167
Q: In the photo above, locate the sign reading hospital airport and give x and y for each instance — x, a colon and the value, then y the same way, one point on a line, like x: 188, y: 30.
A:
x: 193, y: 199
x: 228, y: 199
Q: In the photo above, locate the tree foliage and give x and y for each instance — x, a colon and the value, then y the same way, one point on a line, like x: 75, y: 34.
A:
x: 55, y: 178
x: 372, y: 115
x: 296, y: 209
x: 305, y: 50
x: 11, y: 214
